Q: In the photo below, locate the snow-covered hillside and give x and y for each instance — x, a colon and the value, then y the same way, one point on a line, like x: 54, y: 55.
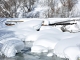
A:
x: 39, y: 8
x: 43, y: 40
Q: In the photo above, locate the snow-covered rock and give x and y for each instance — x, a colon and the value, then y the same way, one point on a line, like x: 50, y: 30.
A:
x: 72, y: 28
x: 73, y: 53
x: 44, y: 44
x: 63, y: 44
x: 38, y: 49
x: 33, y: 36
x: 43, y: 31
x: 11, y: 47
x: 47, y: 40
x: 78, y: 24
x: 46, y: 22
x: 36, y: 24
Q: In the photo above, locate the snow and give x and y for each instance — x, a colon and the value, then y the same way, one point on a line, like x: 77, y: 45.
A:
x: 46, y: 22
x: 45, y: 27
x: 76, y: 10
x: 35, y: 35
x: 38, y: 49
x: 63, y: 44
x: 49, y: 40
x: 50, y: 54
x: 36, y: 24
x: 73, y: 53
x: 11, y: 47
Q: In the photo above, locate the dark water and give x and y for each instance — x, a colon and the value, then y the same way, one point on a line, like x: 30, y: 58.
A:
x: 31, y: 57
x: 27, y: 55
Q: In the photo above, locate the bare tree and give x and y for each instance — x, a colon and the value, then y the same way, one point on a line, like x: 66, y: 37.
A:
x: 8, y: 8
x: 67, y: 7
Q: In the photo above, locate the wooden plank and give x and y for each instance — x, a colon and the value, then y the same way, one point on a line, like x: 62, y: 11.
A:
x: 62, y: 24
x: 14, y: 21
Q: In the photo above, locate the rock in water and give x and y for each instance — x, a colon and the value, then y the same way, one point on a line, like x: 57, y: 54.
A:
x: 11, y: 47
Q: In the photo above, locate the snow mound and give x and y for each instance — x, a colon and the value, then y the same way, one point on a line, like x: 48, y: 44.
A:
x: 23, y: 33
x: 45, y: 31
x: 8, y: 39
x: 46, y: 40
x: 11, y: 47
x: 46, y: 22
x: 72, y: 28
x: 63, y: 44
x: 33, y: 36
x: 73, y: 53
x: 36, y: 24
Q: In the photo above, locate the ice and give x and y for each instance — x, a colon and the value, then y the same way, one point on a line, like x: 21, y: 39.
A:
x: 11, y: 47
x: 1, y: 45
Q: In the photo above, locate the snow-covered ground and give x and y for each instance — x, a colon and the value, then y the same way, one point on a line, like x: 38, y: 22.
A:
x: 46, y: 44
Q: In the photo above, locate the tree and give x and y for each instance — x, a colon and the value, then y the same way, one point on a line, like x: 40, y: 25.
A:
x: 10, y: 8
